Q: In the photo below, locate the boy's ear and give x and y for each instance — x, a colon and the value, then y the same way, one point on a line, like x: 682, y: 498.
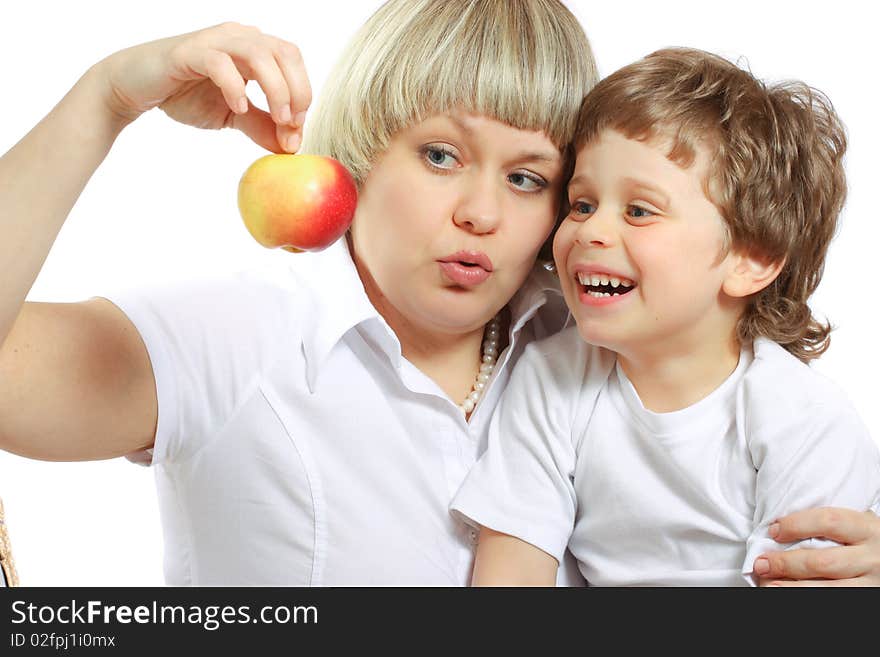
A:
x: 750, y: 273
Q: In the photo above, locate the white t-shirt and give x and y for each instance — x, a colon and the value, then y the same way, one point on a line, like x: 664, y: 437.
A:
x: 661, y: 499
x: 295, y: 445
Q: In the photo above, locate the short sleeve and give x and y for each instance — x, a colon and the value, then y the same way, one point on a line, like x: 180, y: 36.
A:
x: 523, y: 483
x: 810, y: 449
x: 207, y: 340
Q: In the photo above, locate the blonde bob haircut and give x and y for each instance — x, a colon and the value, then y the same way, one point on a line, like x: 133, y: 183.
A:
x: 526, y: 63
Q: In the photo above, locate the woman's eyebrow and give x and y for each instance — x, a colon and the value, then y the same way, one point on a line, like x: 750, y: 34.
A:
x: 523, y: 156
x: 461, y: 125
x: 538, y: 156
x: 547, y: 163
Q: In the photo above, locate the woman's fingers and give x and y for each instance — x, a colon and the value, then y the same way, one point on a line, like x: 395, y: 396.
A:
x: 856, y: 560
x: 219, y: 66
x: 290, y: 62
x: 257, y: 62
x: 289, y: 137
x: 819, y: 563
x: 259, y: 127
x: 201, y: 78
x: 276, y: 65
x: 841, y: 525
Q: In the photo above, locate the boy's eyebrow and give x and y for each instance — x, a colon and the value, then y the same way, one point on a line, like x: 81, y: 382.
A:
x: 641, y: 185
x: 578, y: 179
x: 633, y: 183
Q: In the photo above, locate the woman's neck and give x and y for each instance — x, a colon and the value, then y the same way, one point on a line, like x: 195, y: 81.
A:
x: 450, y: 358
x: 452, y: 361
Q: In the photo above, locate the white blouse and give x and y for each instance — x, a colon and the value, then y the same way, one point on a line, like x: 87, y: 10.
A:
x: 295, y: 445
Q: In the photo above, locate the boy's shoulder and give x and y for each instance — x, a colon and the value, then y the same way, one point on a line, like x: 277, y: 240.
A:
x: 565, y: 357
x: 777, y: 374
x: 790, y: 413
x: 778, y: 390
x: 563, y: 376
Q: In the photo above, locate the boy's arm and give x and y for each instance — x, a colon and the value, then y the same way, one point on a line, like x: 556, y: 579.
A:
x: 504, y: 560
x: 818, y: 455
x: 523, y: 485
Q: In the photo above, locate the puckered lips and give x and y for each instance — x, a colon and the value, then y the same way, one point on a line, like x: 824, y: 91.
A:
x: 598, y: 285
x: 466, y: 268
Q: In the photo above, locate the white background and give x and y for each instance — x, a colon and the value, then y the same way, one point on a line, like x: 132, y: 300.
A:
x: 163, y: 206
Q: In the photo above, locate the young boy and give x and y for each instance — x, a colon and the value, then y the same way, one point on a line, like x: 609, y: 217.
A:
x: 660, y: 438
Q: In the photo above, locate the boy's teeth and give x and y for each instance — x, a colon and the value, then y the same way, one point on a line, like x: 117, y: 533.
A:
x: 601, y: 279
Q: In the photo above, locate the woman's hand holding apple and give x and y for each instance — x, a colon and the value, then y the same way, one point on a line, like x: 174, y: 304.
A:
x: 199, y: 79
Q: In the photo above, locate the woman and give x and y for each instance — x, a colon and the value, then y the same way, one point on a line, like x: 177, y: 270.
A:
x: 310, y: 423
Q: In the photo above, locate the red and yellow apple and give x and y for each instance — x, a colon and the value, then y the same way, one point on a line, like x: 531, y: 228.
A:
x: 297, y: 202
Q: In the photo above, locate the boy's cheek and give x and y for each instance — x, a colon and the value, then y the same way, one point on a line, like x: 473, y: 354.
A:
x: 562, y: 241
x: 561, y: 250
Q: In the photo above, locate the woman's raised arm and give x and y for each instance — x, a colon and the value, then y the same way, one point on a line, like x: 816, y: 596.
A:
x: 75, y: 379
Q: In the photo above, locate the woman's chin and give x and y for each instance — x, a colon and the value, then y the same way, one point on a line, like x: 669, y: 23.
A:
x: 456, y: 315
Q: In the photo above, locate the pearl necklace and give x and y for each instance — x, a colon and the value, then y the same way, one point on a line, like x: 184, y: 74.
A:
x: 491, y: 337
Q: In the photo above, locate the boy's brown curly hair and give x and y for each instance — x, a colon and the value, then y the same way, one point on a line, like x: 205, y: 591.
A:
x: 776, y: 172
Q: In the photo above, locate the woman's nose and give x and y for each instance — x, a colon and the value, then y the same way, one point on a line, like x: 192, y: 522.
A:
x: 479, y: 209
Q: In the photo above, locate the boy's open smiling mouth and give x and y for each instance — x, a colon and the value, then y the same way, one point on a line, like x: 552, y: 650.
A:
x: 603, y: 285
x: 600, y: 288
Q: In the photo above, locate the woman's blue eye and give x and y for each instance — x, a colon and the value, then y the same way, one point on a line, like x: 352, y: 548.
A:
x: 438, y: 157
x: 526, y: 183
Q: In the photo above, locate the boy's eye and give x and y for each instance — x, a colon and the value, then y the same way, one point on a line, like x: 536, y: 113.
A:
x: 638, y: 212
x: 439, y: 157
x: 582, y: 208
x: 526, y: 182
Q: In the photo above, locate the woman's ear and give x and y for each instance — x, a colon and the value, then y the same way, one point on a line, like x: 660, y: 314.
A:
x: 750, y: 273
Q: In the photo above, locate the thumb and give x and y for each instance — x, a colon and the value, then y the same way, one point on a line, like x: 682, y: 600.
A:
x: 262, y: 130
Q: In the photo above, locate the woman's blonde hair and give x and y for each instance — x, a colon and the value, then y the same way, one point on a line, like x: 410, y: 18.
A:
x: 526, y: 63
x: 776, y: 172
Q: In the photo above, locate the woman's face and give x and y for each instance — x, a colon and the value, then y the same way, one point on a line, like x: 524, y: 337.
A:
x: 451, y: 218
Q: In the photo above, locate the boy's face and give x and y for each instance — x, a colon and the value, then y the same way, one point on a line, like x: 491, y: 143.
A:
x: 451, y: 217
x: 638, y: 218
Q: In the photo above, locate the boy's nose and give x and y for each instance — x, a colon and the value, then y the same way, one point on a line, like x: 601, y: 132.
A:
x: 597, y: 231
x: 479, y: 209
